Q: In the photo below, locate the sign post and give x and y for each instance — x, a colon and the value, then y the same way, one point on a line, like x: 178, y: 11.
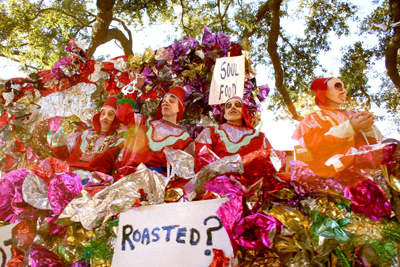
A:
x: 227, y: 80
x: 174, y: 234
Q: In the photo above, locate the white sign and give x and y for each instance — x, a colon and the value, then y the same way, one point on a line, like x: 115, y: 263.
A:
x: 5, y: 243
x: 227, y: 80
x: 174, y: 234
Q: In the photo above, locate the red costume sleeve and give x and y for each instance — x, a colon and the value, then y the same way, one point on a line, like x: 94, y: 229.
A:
x: 125, y: 114
x: 105, y: 161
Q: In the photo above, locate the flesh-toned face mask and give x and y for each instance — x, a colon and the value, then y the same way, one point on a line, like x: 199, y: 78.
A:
x: 170, y: 105
x: 233, y: 110
x: 107, y: 116
x: 336, y: 91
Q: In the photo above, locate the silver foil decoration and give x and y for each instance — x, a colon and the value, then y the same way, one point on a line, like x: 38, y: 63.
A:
x: 120, y: 64
x: 77, y: 100
x: 35, y: 192
x: 181, y: 162
x: 50, y: 84
x: 117, y: 198
x: 9, y: 97
x: 229, y: 164
x: 99, y: 74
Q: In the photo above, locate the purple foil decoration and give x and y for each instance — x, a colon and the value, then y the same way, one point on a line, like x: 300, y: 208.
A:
x: 56, y: 71
x: 39, y: 256
x: 368, y: 198
x: 257, y: 231
x: 223, y: 41
x: 62, y: 189
x: 264, y: 91
x: 81, y: 263
x: 222, y: 186
x: 189, y: 41
x: 180, y: 49
x: 13, y: 208
x: 169, y: 52
x: 304, y: 180
x: 208, y: 37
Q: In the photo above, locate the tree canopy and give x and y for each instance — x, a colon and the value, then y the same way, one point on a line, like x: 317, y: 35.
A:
x: 35, y: 34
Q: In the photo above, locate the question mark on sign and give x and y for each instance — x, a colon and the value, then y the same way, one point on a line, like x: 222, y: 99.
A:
x: 209, y: 232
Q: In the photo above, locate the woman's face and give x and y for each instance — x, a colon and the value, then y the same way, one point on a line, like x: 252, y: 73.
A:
x: 107, y: 116
x: 336, y: 91
x: 233, y: 110
x: 169, y: 105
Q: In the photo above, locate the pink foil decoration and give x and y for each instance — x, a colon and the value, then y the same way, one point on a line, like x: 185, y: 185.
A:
x: 31, y: 156
x: 62, y: 189
x: 257, y: 231
x: 13, y: 208
x: 39, y: 256
x: 222, y: 186
x: 230, y: 213
x: 368, y: 198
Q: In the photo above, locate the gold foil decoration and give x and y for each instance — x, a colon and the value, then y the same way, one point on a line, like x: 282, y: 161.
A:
x: 290, y: 218
x: 68, y: 124
x: 78, y: 236
x: 284, y: 193
x: 173, y: 194
x: 149, y: 55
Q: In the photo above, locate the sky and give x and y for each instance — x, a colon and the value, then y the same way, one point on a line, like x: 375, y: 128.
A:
x: 279, y: 133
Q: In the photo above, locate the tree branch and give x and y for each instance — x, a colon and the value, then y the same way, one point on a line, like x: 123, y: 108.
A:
x: 126, y: 29
x: 259, y: 16
x: 297, y: 52
x: 391, y: 55
x: 57, y: 10
x: 274, y: 6
x: 185, y: 28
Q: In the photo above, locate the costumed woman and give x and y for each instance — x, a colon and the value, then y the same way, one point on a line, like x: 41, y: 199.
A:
x: 236, y: 134
x: 81, y: 148
x: 344, y: 158
x: 333, y: 131
x: 148, y: 138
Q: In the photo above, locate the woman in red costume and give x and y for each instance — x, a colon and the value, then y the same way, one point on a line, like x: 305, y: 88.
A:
x: 331, y: 130
x: 80, y: 148
x: 149, y: 137
x: 235, y: 136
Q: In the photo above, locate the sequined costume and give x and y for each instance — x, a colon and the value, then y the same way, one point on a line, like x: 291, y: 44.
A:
x: 83, y: 147
x: 328, y: 132
x: 148, y: 138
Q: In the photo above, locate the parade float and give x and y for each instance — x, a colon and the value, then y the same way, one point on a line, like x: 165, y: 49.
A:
x: 234, y: 211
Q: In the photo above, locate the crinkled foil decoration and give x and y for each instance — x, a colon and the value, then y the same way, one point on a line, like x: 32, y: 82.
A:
x: 35, y: 191
x: 9, y: 97
x: 182, y: 162
x: 38, y: 256
x: 62, y: 189
x: 291, y: 218
x: 226, y: 165
x: 120, y: 64
x: 77, y: 100
x: 99, y: 74
x: 116, y: 198
x: 68, y: 124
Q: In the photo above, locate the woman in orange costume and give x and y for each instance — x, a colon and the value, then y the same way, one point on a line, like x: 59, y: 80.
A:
x: 236, y: 135
x: 331, y: 130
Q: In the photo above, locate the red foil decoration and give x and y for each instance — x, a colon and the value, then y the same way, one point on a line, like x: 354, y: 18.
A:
x: 219, y: 259
x: 48, y: 167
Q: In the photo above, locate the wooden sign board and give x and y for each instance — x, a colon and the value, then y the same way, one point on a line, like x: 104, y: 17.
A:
x: 302, y: 154
x: 227, y: 80
x: 174, y: 234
